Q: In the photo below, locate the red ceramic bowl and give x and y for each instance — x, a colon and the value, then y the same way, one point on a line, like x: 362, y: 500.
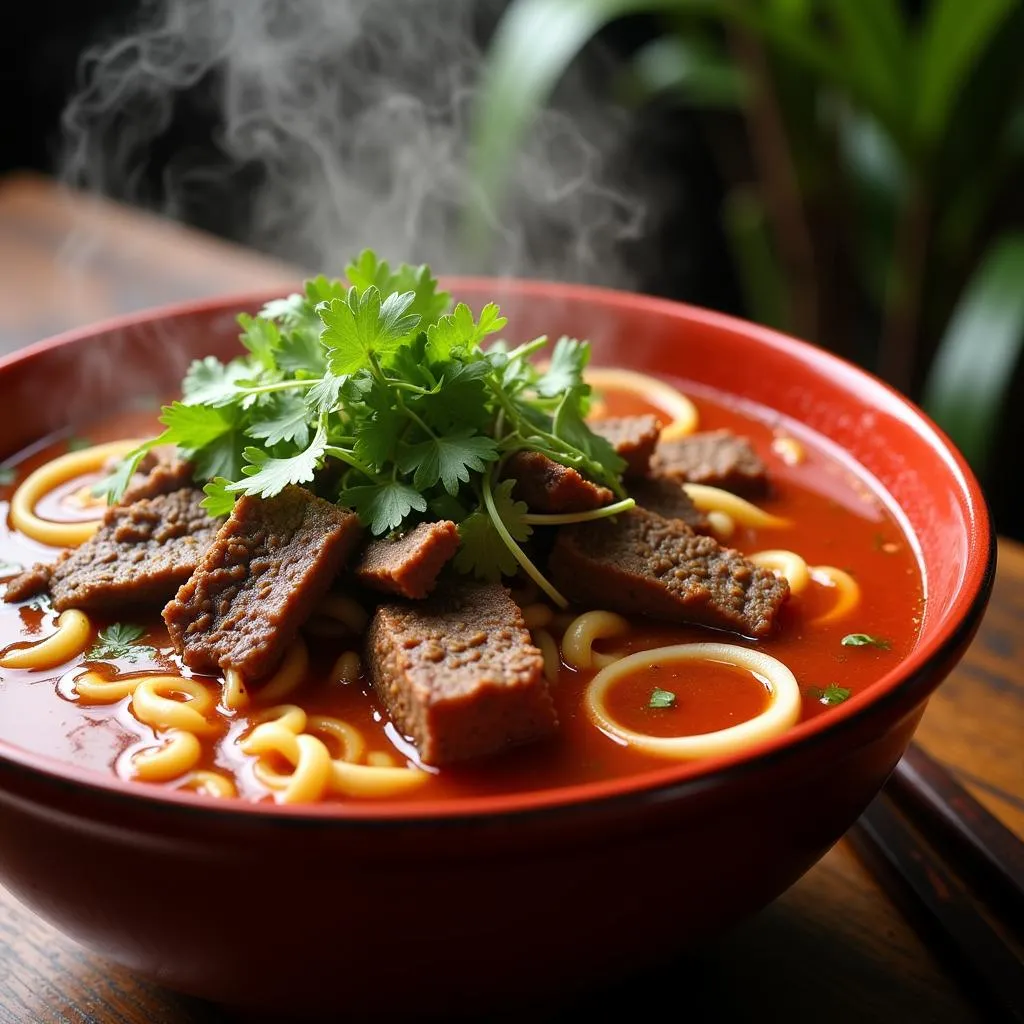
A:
x: 384, y: 909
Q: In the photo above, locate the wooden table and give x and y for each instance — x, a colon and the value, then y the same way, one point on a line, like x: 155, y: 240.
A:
x: 833, y: 948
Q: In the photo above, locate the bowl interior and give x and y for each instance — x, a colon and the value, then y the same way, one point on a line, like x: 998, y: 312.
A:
x: 67, y: 381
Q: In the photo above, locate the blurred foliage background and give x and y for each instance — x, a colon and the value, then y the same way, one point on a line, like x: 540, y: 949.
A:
x: 871, y: 156
x: 846, y: 170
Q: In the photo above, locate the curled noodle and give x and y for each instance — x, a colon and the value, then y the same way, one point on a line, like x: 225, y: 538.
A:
x: 50, y: 475
x: 580, y: 635
x: 69, y: 641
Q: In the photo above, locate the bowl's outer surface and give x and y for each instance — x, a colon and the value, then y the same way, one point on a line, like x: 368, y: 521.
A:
x: 468, y: 907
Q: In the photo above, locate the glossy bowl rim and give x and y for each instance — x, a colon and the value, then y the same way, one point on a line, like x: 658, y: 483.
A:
x: 901, y: 683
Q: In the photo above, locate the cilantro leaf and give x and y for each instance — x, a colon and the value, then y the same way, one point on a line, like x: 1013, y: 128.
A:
x: 565, y: 372
x: 286, y: 423
x: 458, y: 330
x: 362, y: 326
x: 7, y: 475
x: 384, y: 506
x: 120, y: 641
x: 78, y: 444
x: 267, y: 476
x: 483, y: 553
x: 662, y: 698
x: 210, y: 382
x: 833, y: 694
x: 219, y: 501
x: 864, y: 640
x: 261, y: 337
x: 448, y: 458
x: 368, y: 270
x: 605, y: 464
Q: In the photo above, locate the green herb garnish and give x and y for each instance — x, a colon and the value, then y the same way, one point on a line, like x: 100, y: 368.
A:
x: 864, y: 640
x: 419, y: 405
x: 661, y: 698
x: 831, y: 695
x: 7, y: 475
x: 120, y: 641
x: 77, y: 444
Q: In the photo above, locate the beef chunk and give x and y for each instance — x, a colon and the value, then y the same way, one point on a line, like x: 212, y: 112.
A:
x: 716, y: 457
x: 161, y: 476
x: 139, y: 556
x: 408, y: 565
x: 459, y: 674
x: 28, y: 583
x: 642, y: 562
x: 259, y: 580
x: 667, y: 498
x: 633, y: 438
x: 548, y: 486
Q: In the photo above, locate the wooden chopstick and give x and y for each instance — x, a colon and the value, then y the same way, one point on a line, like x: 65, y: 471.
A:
x: 912, y: 855
x: 930, y: 795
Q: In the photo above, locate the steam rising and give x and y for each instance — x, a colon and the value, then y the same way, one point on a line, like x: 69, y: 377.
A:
x: 344, y: 125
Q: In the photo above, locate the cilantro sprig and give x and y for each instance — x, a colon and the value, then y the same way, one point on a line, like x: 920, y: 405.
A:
x: 120, y: 640
x: 412, y: 405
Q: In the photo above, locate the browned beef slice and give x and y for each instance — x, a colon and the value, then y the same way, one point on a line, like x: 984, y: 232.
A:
x: 667, y: 498
x: 548, y: 486
x: 408, y: 565
x: 459, y: 674
x: 259, y: 580
x: 28, y: 583
x: 139, y: 556
x: 162, y: 475
x: 642, y: 562
x: 633, y: 437
x: 716, y: 457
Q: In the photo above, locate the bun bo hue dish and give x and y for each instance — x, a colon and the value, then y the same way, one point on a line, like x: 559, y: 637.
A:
x: 393, y: 552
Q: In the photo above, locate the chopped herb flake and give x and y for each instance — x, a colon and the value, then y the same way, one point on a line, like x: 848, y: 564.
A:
x: 7, y: 475
x: 829, y: 696
x: 662, y: 698
x: 120, y: 641
x: 77, y: 444
x: 864, y: 640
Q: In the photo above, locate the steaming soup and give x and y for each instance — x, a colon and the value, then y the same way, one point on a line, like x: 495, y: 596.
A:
x: 574, y: 679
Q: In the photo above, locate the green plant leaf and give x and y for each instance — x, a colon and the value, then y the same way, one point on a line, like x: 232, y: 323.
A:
x: 975, y: 360
x: 749, y: 234
x: 534, y: 44
x: 697, y: 73
x: 875, y: 40
x: 954, y: 37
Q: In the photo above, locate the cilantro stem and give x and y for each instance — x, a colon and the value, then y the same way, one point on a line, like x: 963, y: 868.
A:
x: 517, y: 552
x: 281, y: 385
x: 347, y: 457
x: 561, y: 518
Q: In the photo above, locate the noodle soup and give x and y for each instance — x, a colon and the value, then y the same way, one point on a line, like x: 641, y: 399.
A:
x: 114, y: 695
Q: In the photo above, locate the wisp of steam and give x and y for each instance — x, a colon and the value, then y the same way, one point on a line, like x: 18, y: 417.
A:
x: 347, y: 124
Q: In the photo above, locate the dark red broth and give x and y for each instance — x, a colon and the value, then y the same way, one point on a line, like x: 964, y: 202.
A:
x: 842, y: 521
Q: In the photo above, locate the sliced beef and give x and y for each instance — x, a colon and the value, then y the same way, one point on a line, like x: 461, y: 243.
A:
x: 716, y: 457
x: 408, y: 565
x: 548, y: 486
x: 459, y: 674
x: 270, y: 563
x: 633, y: 438
x: 642, y: 562
x: 139, y: 556
x: 28, y: 583
x: 160, y: 476
x: 667, y: 498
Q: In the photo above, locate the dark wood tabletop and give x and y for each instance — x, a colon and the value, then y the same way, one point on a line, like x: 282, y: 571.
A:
x: 833, y: 948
